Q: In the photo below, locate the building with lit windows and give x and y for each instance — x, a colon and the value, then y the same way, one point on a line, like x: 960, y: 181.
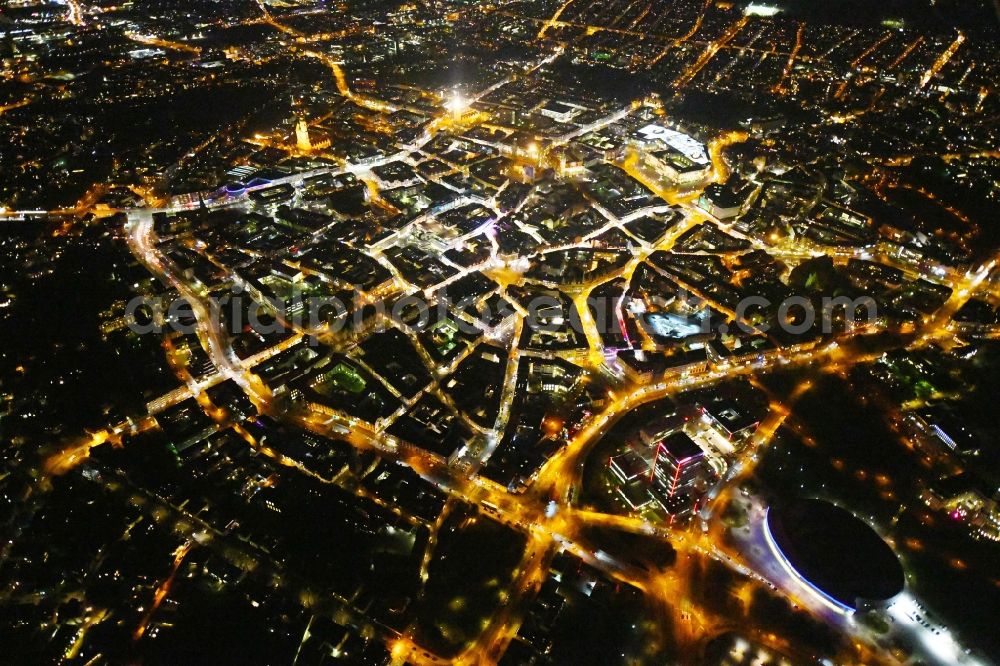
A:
x: 663, y: 467
x: 676, y: 156
x: 679, y: 471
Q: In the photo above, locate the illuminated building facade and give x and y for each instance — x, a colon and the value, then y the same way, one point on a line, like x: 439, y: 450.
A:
x: 679, y: 467
x: 302, y: 141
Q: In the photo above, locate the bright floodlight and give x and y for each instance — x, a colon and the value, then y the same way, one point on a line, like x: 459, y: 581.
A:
x: 457, y: 105
x: 755, y: 9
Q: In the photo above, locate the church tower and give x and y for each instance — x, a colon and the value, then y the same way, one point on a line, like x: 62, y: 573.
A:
x: 302, y: 141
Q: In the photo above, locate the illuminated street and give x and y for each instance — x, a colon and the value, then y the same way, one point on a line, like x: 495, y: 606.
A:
x: 552, y: 332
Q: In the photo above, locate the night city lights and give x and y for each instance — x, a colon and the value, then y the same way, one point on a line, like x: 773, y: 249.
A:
x: 528, y: 333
